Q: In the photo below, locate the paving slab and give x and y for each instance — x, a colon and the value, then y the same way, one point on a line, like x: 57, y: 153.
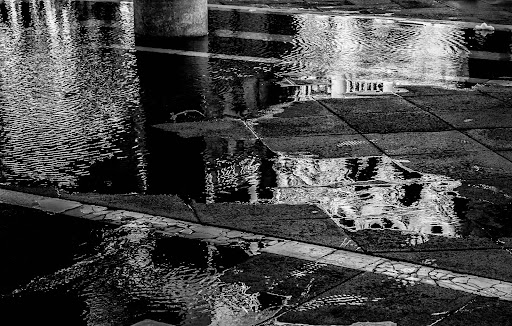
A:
x: 298, y: 279
x: 164, y: 205
x: 322, y: 231
x: 375, y: 241
x: 370, y: 298
x: 502, y: 93
x: 483, y: 311
x: 393, y: 122
x: 498, y: 117
x: 460, y: 166
x: 492, y: 263
x: 427, y: 90
x: 14, y: 198
x: 498, y: 139
x: 227, y: 128
x: 425, y: 142
x: 289, y: 127
x: 336, y: 146
x: 300, y: 109
x: 382, y: 104
x: 257, y: 212
x: 506, y: 154
x: 464, y: 102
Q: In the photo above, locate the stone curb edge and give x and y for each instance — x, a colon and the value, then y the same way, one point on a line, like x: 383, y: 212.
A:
x: 255, y: 244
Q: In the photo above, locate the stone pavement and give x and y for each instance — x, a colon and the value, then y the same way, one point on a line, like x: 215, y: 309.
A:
x: 400, y: 203
x: 489, y: 11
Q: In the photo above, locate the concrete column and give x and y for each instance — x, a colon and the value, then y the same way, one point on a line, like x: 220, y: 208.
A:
x: 171, y: 18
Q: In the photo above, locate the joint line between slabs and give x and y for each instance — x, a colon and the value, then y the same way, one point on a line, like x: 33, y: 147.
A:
x: 353, y: 127
x: 458, y: 129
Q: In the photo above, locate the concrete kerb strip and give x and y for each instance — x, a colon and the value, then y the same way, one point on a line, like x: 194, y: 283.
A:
x: 254, y: 244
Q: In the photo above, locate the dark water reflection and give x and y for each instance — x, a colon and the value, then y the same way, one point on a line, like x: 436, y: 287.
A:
x: 120, y: 276
x: 77, y: 97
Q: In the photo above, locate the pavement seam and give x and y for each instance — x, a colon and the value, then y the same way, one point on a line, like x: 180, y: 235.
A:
x: 454, y: 127
x: 351, y: 126
x: 255, y: 244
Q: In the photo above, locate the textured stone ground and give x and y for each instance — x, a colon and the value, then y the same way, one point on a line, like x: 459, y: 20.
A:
x: 332, y: 275
x: 383, y: 276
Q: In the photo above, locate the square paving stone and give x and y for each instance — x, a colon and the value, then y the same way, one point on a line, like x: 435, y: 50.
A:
x: 467, y: 101
x: 425, y: 142
x: 289, y: 127
x: 392, y: 122
x: 163, y: 205
x: 317, y: 231
x: 259, y: 212
x: 287, y: 276
x: 490, y: 118
x: 376, y: 241
x: 426, y: 90
x: 460, y: 166
x: 218, y: 128
x: 502, y: 93
x: 496, y: 138
x: 325, y: 146
x: 481, y: 311
x: 372, y: 298
x: 302, y: 109
x: 492, y: 190
x: 366, y: 105
x: 491, y: 263
x: 506, y: 154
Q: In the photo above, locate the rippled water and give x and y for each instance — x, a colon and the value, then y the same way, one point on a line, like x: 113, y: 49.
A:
x: 120, y: 276
x: 77, y: 95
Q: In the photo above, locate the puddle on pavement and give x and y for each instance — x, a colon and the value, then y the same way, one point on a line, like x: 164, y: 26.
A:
x: 358, y: 193
x: 77, y: 62
x: 120, y: 276
x: 374, y: 193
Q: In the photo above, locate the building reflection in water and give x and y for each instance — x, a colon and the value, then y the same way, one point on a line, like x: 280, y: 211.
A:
x: 67, y: 104
x: 370, y: 193
x: 357, y: 193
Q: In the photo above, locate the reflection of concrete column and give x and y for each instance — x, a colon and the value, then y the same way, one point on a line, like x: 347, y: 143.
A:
x: 182, y: 89
x: 171, y: 18
x: 250, y: 86
x: 338, y: 86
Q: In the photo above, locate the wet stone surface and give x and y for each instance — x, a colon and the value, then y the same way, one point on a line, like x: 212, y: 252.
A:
x: 331, y: 146
x: 498, y: 139
x: 376, y: 298
x: 491, y: 263
x: 486, y: 310
x: 164, y: 205
x: 304, y: 126
x: 414, y: 143
x: 297, y: 279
